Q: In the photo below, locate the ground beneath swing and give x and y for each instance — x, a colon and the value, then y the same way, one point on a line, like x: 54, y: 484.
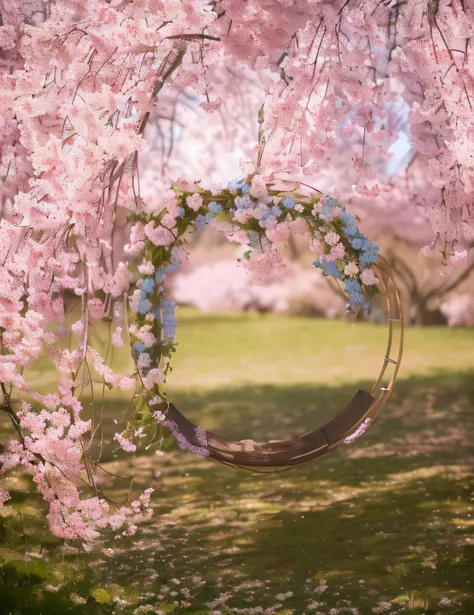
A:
x: 382, y: 526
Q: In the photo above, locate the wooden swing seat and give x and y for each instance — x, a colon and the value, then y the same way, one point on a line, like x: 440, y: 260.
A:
x: 277, y: 456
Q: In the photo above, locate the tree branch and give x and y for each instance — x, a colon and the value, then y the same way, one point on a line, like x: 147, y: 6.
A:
x: 7, y: 407
x: 448, y: 287
x: 407, y: 275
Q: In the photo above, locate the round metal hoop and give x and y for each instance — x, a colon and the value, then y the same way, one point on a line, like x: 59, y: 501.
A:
x: 278, y: 456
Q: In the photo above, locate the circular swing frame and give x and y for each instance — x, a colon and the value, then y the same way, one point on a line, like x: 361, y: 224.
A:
x: 349, y: 424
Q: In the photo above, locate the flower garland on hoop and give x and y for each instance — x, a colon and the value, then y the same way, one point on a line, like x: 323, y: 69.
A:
x: 249, y: 212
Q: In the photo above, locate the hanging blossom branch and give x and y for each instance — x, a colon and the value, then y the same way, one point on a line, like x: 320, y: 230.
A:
x: 364, y: 57
x: 78, y: 96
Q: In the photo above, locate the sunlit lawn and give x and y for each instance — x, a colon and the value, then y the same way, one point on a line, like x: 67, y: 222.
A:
x: 384, y: 525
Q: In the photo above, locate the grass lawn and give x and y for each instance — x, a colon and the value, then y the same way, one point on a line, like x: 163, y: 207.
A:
x: 384, y: 525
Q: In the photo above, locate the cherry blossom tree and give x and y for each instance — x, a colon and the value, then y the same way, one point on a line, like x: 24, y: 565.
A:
x: 80, y: 81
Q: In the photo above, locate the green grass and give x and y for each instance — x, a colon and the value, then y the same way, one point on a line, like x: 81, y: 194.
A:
x: 388, y: 519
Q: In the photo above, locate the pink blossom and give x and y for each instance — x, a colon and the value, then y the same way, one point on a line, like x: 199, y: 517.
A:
x: 144, y: 361
x: 242, y: 216
x: 266, y: 263
x: 145, y: 335
x: 368, y: 277
x: 280, y: 233
x: 337, y: 252
x: 159, y: 416
x: 117, y: 339
x: 153, y: 377
x: 120, y: 280
x: 258, y: 187
x: 121, y: 143
x: 130, y: 531
x: 239, y: 236
x: 458, y: 258
x: 146, y: 268
x: 4, y: 496
x: 123, y: 382
x: 159, y: 236
x: 194, y: 201
x: 210, y: 107
x: 9, y: 374
x: 125, y: 443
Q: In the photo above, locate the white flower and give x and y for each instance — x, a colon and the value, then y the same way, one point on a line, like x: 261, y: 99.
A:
x: 146, y: 268
x: 159, y: 416
x: 153, y: 377
x: 144, y: 360
x: 331, y: 238
x: 351, y: 269
x: 258, y: 188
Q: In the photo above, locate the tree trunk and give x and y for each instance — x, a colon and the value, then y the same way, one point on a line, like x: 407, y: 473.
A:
x: 421, y: 315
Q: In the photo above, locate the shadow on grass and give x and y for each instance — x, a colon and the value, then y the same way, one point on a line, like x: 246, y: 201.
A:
x: 388, y: 518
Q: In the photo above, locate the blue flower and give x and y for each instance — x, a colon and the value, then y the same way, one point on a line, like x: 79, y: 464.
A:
x: 201, y: 220
x: 181, y: 212
x: 139, y: 347
x: 160, y: 274
x: 144, y: 306
x: 254, y: 240
x: 331, y: 269
x: 352, y: 285
x: 148, y: 285
x: 356, y: 297
x: 238, y: 184
x: 328, y: 200
x: 357, y: 243
x: 370, y: 255
x: 327, y: 213
x: 169, y: 320
x: 215, y: 207
x: 318, y: 264
x: 288, y: 202
x: 276, y: 211
x: 243, y: 202
x: 348, y: 218
x: 350, y: 229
